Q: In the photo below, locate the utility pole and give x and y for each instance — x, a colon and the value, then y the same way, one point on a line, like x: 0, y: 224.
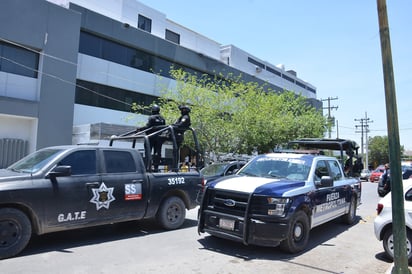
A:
x: 398, y: 213
x: 331, y: 120
x: 364, y: 129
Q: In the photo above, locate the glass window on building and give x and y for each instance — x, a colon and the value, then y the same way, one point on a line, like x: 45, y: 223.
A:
x: 93, y: 94
x: 90, y: 44
x: 17, y: 60
x: 110, y: 50
x: 144, y: 23
x: 172, y: 36
x: 139, y: 59
x: 113, y: 52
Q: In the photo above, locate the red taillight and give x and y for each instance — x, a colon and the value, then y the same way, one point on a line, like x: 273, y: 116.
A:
x: 379, y: 208
x: 203, y: 183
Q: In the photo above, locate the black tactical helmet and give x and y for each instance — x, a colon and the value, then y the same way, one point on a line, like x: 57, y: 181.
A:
x: 184, y: 109
x: 155, y: 109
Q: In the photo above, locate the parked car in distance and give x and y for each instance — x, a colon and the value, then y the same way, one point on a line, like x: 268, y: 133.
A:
x: 365, y: 174
x: 383, y: 221
x: 217, y: 170
x: 406, y: 174
x: 374, y: 177
x: 381, y: 188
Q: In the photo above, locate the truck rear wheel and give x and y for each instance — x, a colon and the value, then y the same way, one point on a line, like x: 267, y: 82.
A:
x: 172, y: 213
x: 298, y: 234
x: 15, y: 232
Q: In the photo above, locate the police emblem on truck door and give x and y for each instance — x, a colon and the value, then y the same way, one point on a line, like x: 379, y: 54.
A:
x: 102, y: 196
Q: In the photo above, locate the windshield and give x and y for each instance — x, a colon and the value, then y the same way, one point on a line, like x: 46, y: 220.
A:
x: 34, y: 161
x: 213, y: 169
x: 278, y: 167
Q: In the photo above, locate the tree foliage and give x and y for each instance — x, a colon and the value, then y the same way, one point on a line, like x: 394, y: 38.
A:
x: 231, y: 116
x: 379, y: 150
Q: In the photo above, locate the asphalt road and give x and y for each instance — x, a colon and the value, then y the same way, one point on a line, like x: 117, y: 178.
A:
x: 142, y: 247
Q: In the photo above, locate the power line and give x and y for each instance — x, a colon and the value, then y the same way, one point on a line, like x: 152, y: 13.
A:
x: 330, y: 119
x: 37, y: 52
x: 364, y: 130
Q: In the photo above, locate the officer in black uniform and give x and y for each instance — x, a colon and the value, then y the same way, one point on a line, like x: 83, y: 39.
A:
x: 182, y: 124
x: 154, y: 120
x: 386, y: 180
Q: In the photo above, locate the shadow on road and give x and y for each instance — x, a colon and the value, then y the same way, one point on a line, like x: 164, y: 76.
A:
x: 63, y: 241
x: 318, y: 236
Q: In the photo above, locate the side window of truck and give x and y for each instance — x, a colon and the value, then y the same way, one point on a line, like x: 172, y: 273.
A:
x: 335, y: 170
x: 119, y: 161
x: 82, y: 162
x: 321, y: 170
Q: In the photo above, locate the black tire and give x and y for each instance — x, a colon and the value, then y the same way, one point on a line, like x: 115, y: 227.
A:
x: 298, y: 234
x: 350, y: 217
x: 388, y: 244
x: 172, y: 213
x: 15, y: 232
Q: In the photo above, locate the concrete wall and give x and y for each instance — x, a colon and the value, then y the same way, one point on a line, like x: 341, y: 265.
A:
x: 53, y: 31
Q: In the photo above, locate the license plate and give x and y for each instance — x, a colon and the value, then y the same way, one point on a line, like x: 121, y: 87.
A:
x: 227, y: 224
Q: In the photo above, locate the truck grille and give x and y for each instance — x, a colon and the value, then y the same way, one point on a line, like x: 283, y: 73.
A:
x: 233, y: 203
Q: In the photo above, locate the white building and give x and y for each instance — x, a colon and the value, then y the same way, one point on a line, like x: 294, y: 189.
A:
x: 73, y: 68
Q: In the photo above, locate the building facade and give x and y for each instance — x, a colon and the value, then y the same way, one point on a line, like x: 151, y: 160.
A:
x: 67, y: 66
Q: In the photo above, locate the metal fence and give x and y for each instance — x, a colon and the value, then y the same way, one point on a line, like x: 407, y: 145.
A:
x: 12, y: 150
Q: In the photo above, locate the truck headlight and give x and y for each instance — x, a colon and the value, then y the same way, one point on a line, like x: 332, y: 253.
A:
x: 278, y: 206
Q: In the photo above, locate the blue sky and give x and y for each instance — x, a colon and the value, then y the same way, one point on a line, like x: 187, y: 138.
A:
x: 334, y: 45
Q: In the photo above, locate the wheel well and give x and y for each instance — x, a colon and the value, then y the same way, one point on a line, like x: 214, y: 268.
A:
x: 389, y: 226
x: 178, y: 193
x: 29, y: 213
x: 305, y: 208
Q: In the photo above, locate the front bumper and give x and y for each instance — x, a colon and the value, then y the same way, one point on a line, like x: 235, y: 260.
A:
x: 252, y: 231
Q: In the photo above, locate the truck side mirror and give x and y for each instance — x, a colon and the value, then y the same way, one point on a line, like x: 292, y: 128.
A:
x: 326, y: 181
x: 60, y: 171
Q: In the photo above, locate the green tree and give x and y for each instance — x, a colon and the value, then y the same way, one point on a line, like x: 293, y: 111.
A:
x: 270, y: 119
x: 231, y: 116
x: 379, y: 150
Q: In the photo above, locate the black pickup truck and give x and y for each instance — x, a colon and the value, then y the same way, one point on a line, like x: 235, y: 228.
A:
x: 69, y: 187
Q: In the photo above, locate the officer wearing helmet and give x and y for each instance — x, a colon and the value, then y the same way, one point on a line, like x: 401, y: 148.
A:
x: 154, y: 120
x: 182, y: 124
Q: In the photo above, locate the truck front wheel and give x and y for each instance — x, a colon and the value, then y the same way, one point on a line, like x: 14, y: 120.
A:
x: 298, y: 234
x: 350, y: 217
x: 15, y: 232
x: 172, y: 213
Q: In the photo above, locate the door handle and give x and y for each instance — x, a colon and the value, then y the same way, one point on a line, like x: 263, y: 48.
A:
x: 93, y: 184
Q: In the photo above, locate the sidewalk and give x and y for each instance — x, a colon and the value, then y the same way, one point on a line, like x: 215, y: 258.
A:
x: 389, y: 271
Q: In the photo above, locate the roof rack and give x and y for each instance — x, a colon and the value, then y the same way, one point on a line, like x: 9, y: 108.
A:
x: 165, y: 132
x: 349, y: 146
x: 299, y: 151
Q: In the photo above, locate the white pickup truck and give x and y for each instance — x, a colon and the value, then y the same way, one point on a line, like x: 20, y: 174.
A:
x: 277, y: 198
